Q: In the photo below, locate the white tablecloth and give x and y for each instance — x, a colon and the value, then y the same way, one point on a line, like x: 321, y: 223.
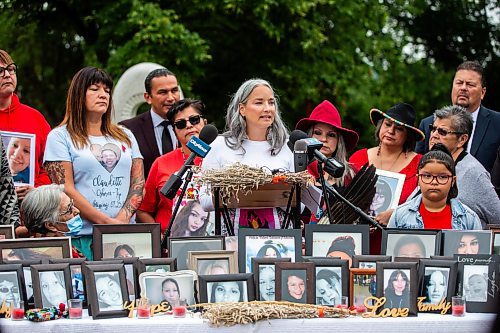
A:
x: 472, y: 322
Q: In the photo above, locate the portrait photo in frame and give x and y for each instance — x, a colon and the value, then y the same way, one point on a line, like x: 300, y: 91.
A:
x: 387, y: 191
x: 478, y: 281
x: 77, y: 279
x: 227, y: 288
x: 131, y: 275
x: 437, y: 281
x: 336, y: 240
x: 28, y: 283
x: 12, y: 285
x: 178, y: 247
x: 156, y: 265
x: 466, y: 242
x: 7, y: 232
x: 369, y: 261
x: 295, y: 282
x: 213, y: 262
x: 363, y: 284
x: 174, y: 287
x: 267, y: 243
x: 398, y: 283
x: 20, y: 152
x: 331, y: 280
x: 51, y: 284
x: 35, y: 248
x: 140, y: 240
x: 107, y: 291
x: 411, y: 243
x: 264, y: 273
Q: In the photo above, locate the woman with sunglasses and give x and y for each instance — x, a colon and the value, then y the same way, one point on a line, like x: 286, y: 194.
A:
x: 436, y: 207
x: 187, y: 118
x: 255, y: 136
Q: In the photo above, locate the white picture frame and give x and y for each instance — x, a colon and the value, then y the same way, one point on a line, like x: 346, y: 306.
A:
x: 388, y: 184
x: 19, y: 156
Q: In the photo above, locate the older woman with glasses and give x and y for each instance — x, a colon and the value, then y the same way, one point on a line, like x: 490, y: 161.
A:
x: 48, y: 212
x: 436, y: 207
x: 187, y: 118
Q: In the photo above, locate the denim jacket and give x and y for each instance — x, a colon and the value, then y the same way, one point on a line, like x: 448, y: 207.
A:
x: 407, y: 216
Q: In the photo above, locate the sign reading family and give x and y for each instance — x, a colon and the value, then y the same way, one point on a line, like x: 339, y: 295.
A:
x: 373, y: 304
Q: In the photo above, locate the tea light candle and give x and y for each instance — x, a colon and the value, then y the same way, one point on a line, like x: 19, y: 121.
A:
x: 180, y: 311
x: 75, y: 313
x: 143, y: 312
x: 17, y: 314
x: 458, y: 310
x: 360, y: 308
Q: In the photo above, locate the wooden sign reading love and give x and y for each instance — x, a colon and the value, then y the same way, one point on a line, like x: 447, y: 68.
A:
x: 373, y: 304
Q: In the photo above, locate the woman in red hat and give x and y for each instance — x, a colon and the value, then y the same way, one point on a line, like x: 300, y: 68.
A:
x: 396, y: 136
x: 325, y: 125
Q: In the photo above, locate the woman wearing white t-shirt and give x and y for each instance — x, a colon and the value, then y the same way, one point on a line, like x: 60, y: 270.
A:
x: 255, y: 135
x: 105, y: 193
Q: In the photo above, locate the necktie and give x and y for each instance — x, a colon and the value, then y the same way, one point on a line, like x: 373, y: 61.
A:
x: 166, y: 140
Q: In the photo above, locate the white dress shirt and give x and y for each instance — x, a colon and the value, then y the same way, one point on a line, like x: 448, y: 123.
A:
x: 474, y: 121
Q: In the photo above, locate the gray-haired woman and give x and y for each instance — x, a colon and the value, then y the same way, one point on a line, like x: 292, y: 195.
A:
x: 254, y: 136
x: 47, y: 211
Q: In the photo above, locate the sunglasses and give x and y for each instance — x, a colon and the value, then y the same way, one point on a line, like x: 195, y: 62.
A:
x: 6, y: 290
x: 12, y: 69
x: 442, y: 131
x: 193, y: 120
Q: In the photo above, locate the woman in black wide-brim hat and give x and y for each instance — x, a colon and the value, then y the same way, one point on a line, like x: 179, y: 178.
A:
x: 396, y: 136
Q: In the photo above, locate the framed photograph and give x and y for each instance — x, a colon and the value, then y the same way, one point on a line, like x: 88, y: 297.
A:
x: 437, y: 281
x: 51, y: 284
x: 7, y: 232
x: 336, y: 240
x: 140, y: 240
x: 77, y: 280
x: 12, y: 285
x: 267, y: 243
x: 177, y: 288
x: 131, y: 275
x: 106, y: 287
x: 20, y: 150
x: 35, y: 248
x: 467, y: 242
x: 213, y: 262
x: 295, y: 282
x: 387, y: 191
x: 28, y: 284
x: 178, y: 247
x: 411, y: 243
x: 478, y: 281
x: 332, y: 280
x: 398, y: 283
x: 264, y: 273
x: 231, y: 243
x: 363, y: 284
x: 156, y: 265
x: 369, y: 261
x: 226, y: 288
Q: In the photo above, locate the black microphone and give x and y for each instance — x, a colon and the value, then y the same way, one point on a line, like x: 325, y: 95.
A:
x: 199, y: 147
x: 300, y: 159
x: 331, y: 165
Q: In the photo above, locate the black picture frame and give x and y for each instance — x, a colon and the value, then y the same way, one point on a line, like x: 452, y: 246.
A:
x: 7, y: 232
x: 209, y: 285
x: 77, y: 277
x: 452, y: 239
x: 384, y: 272
x: 44, y: 294
x: 484, y: 269
x: 103, y: 240
x: 28, y: 283
x: 426, y: 242
x: 291, y: 274
x: 131, y: 275
x: 12, y: 276
x: 178, y: 247
x: 24, y: 249
x: 327, y: 273
x: 369, y: 261
x: 437, y: 273
x: 252, y: 243
x: 268, y: 282
x: 325, y: 240
x: 109, y: 274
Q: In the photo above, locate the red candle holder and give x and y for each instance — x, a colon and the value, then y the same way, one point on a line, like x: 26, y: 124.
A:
x: 17, y: 314
x: 179, y: 311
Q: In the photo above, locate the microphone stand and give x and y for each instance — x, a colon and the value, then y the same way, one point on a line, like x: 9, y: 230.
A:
x: 325, y: 193
x: 189, y: 176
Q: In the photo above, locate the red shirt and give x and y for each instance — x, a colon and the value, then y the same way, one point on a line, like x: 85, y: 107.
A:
x: 436, y: 220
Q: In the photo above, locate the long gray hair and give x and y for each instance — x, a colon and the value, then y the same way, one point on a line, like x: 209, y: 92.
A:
x: 41, y: 205
x: 236, y: 131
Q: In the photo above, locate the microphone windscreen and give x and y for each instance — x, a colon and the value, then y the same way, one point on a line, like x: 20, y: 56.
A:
x: 300, y: 146
x: 209, y: 133
x: 294, y: 136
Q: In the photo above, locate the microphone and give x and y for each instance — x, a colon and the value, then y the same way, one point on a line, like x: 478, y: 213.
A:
x: 300, y: 159
x: 199, y: 147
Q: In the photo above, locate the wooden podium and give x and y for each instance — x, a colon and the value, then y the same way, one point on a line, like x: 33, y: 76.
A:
x: 266, y: 196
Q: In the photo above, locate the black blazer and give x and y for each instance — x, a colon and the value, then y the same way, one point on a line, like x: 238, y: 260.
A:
x: 485, y: 141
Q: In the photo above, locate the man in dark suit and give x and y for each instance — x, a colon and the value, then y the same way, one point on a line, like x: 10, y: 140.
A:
x: 468, y: 90
x: 153, y: 132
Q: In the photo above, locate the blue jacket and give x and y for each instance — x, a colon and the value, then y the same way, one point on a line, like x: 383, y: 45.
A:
x: 407, y: 216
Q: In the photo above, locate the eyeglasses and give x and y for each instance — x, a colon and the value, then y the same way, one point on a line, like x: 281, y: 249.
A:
x: 427, y: 178
x: 193, y: 120
x: 12, y: 69
x: 442, y: 131
x: 6, y: 290
x: 71, y: 205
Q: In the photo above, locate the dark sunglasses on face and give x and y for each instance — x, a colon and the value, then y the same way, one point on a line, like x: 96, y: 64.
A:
x: 442, y: 131
x: 12, y: 69
x: 193, y: 120
x: 6, y: 290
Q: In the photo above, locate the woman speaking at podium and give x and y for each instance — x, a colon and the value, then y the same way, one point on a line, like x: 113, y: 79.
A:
x: 255, y: 136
